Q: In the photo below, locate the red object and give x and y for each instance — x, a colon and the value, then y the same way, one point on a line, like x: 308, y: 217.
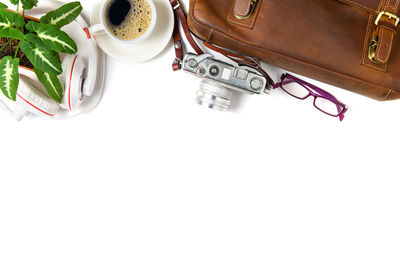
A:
x: 52, y: 115
x: 69, y: 87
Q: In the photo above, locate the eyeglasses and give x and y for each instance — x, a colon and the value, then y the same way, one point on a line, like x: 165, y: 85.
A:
x: 323, y: 101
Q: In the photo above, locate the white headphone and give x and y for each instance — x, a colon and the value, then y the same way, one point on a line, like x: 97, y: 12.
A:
x: 78, y: 81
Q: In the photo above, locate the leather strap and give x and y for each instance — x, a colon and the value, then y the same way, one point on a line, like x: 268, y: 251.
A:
x: 391, y: 6
x: 178, y: 44
x: 385, y: 31
x: 235, y: 57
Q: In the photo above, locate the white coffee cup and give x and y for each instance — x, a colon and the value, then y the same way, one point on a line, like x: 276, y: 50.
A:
x: 103, y: 28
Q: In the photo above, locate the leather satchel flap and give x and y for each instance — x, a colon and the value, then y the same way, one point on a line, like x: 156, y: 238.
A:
x: 243, y: 8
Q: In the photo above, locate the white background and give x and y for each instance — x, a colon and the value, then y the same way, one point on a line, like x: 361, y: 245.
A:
x: 151, y: 179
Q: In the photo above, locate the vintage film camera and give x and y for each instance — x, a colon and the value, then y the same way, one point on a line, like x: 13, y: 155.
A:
x: 220, y: 79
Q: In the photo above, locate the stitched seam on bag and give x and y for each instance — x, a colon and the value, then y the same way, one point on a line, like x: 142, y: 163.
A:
x: 388, y: 94
x: 381, y: 3
x: 366, y: 40
x: 395, y: 5
x: 194, y: 19
x: 381, y: 7
x: 359, y: 5
x: 380, y: 43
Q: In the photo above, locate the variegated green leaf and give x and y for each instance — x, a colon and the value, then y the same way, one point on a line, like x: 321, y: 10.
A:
x: 7, y: 22
x: 11, y: 33
x: 63, y: 15
x: 53, y: 37
x: 9, y: 77
x: 40, y: 56
x: 51, y: 83
x: 28, y: 4
x: 3, y: 5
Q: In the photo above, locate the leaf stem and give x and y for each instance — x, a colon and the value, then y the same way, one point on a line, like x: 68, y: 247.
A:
x: 23, y: 21
x: 4, y: 46
x: 21, y: 29
x: 16, y: 51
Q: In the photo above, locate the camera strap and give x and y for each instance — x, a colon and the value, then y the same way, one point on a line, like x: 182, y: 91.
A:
x: 180, y: 18
x: 178, y: 44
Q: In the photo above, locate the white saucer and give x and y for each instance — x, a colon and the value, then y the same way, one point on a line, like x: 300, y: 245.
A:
x: 146, y: 49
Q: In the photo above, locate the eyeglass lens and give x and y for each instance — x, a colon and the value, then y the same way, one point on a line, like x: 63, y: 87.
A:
x: 294, y: 89
x: 327, y: 106
x: 299, y: 91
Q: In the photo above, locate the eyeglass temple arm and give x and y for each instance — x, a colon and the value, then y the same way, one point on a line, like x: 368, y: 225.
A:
x: 281, y: 83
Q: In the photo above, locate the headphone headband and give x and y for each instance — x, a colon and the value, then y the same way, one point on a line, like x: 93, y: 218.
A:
x: 91, y: 77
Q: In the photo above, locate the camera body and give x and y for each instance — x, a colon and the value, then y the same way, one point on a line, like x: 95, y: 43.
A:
x: 220, y: 79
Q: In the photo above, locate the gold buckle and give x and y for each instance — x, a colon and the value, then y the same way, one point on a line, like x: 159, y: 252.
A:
x: 252, y: 5
x: 389, y: 15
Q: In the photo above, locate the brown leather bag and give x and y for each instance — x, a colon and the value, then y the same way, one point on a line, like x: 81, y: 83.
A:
x: 347, y: 43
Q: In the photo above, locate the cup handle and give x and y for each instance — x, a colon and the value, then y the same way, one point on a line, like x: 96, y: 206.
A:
x: 97, y: 29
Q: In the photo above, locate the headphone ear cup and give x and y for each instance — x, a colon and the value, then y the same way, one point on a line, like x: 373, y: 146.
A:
x: 73, y: 76
x: 33, y: 100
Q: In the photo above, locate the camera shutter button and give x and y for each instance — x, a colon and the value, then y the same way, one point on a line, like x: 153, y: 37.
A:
x: 214, y: 70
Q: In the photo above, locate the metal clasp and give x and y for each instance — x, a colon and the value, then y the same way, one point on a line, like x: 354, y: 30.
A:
x: 178, y: 5
x: 389, y: 15
x: 252, y: 6
x: 373, y: 45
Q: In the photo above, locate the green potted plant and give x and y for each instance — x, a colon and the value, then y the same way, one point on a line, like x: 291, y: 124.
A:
x: 34, y: 44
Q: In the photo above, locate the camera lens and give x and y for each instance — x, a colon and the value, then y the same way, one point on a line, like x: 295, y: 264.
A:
x: 213, y: 96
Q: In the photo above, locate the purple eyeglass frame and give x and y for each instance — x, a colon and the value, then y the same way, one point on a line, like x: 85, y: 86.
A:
x: 342, y: 109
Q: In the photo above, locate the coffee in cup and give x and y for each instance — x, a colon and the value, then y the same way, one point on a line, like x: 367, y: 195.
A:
x: 127, y: 20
